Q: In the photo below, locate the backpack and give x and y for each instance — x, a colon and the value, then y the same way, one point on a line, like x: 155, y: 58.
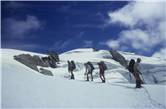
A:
x: 131, y: 65
x: 73, y: 66
x: 89, y: 63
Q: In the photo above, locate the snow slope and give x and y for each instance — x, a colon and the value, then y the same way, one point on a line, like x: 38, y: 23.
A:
x: 153, y: 69
x: 23, y: 87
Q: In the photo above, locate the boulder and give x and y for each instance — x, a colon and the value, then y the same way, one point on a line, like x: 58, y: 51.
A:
x: 46, y: 72
x: 51, y: 60
x: 45, y: 60
x: 37, y: 60
x: 27, y: 60
x: 119, y: 58
x: 52, y: 63
x: 54, y: 56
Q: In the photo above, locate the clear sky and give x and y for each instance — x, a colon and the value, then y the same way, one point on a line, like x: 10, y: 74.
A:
x: 61, y: 26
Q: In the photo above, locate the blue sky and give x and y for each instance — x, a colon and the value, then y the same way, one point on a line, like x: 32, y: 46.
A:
x: 62, y: 26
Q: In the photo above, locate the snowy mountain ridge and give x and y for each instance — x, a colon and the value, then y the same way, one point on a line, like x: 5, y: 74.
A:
x: 58, y: 91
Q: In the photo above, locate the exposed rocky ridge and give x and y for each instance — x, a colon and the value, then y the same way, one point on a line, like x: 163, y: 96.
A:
x: 27, y: 60
x: 34, y: 61
x: 119, y: 58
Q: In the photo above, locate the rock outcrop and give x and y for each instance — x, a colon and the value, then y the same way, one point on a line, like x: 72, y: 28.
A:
x: 45, y: 72
x: 27, y: 60
x: 34, y: 61
x: 119, y: 58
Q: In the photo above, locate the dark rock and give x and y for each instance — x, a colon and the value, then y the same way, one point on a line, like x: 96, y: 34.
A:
x: 27, y: 60
x: 38, y: 61
x: 95, y: 49
x: 54, y: 56
x: 119, y: 58
x: 46, y: 72
x: 47, y: 61
x: 52, y: 63
x: 51, y: 60
x: 34, y: 61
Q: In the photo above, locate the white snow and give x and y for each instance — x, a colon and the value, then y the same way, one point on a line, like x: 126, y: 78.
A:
x: 145, y: 60
x: 152, y: 68
x: 23, y: 87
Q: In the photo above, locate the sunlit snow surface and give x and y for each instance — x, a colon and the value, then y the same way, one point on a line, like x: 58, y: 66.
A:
x: 23, y: 87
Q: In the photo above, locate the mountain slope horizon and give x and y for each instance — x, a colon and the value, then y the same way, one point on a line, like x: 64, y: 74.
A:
x: 58, y: 91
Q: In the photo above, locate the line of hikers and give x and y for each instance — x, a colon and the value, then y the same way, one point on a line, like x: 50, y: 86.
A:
x: 88, y: 70
x: 133, y: 68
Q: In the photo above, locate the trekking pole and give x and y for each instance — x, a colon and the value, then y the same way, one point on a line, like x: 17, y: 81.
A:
x: 143, y: 78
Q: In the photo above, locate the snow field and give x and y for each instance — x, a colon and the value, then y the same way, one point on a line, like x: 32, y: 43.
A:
x: 23, y: 87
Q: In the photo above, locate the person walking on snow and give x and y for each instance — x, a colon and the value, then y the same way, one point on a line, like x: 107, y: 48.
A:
x: 69, y: 66
x: 89, y: 70
x: 136, y: 73
x: 102, y: 68
x: 72, y: 67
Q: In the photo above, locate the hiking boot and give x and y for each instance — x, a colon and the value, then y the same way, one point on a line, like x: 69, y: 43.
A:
x: 103, y: 81
x: 138, y: 84
x: 72, y: 77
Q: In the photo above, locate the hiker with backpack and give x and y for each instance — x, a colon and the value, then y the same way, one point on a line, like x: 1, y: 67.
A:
x: 102, y: 68
x: 138, y: 73
x: 86, y: 69
x: 135, y: 70
x: 71, y: 68
x: 130, y: 67
x: 89, y: 70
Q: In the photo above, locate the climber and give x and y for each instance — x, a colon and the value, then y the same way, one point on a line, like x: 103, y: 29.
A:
x: 102, y: 68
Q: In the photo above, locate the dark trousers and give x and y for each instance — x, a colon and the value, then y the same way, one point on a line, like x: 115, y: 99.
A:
x: 102, y: 76
x: 138, y: 83
x: 138, y: 80
x: 72, y: 75
x: 88, y: 76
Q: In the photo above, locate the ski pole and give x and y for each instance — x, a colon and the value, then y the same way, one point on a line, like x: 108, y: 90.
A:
x: 143, y: 79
